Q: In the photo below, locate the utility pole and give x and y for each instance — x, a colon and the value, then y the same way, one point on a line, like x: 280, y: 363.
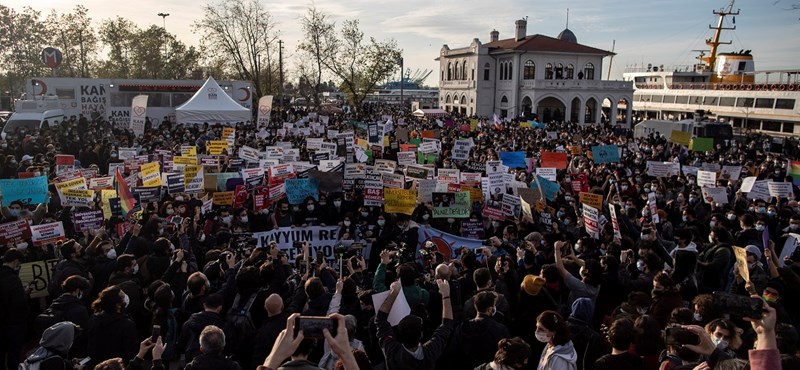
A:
x: 164, y: 18
x: 280, y: 74
x: 402, y: 77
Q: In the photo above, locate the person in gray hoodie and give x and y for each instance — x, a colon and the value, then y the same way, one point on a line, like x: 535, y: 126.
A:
x: 54, y: 347
x: 559, y: 353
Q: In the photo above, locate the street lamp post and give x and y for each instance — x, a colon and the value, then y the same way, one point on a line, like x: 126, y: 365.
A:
x: 402, y: 77
x: 164, y: 19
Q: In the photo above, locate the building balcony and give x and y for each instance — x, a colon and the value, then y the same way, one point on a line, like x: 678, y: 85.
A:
x: 576, y: 85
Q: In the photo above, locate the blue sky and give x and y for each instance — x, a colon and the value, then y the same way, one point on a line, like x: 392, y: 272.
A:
x: 650, y: 31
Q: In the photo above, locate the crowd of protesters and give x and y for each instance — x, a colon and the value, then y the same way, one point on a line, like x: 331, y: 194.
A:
x: 149, y: 292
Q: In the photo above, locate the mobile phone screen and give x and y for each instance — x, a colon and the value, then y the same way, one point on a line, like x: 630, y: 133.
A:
x: 312, y: 326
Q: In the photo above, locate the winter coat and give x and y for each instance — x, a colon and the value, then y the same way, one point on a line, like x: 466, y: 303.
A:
x: 475, y: 342
x: 212, y: 361
x: 111, y: 335
x: 663, y: 304
x: 13, y: 301
x: 188, y: 340
x: 397, y: 357
x: 561, y: 357
x: 62, y: 271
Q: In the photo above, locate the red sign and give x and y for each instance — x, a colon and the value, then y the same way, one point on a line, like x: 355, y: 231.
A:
x: 260, y: 198
x: 14, y: 231
x: 553, y: 160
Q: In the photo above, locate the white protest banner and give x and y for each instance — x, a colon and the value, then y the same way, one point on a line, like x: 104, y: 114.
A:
x: 76, y: 197
x: 249, y: 154
x: 493, y: 167
x: 730, y: 172
x: 662, y: 169
x: 385, y: 165
x: 125, y: 154
x: 406, y: 158
x: 425, y: 189
x: 706, y: 178
x: 470, y: 179
x: 101, y: 183
x: 591, y: 220
x: 47, y: 233
x: 512, y: 206
x: 747, y: 184
x: 399, y: 310
x: 717, y: 194
x: 138, y: 114
x: 780, y: 189
x: 614, y: 222
x: 264, y: 110
x: 448, y: 175
x: 461, y: 149
x: 326, y: 165
x: 427, y: 147
x: 547, y: 173
x: 393, y: 180
x: 689, y: 170
x: 789, y: 248
x: 651, y: 203
x: 759, y: 190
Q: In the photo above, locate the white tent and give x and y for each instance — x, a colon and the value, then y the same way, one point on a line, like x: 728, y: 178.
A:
x: 211, y: 104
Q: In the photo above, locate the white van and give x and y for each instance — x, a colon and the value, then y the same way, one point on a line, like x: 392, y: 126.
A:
x: 32, y: 121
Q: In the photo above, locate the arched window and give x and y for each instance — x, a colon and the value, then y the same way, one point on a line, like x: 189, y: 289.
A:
x: 464, y: 70
x: 510, y: 70
x: 559, y: 71
x: 502, y: 70
x: 530, y: 70
x: 463, y: 100
x: 449, y: 71
x: 569, y: 72
x: 548, y: 71
x: 504, y: 101
x: 486, y: 68
x: 447, y: 100
x: 588, y: 71
x: 457, y: 73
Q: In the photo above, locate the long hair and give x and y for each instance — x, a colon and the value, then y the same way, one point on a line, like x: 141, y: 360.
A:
x: 552, y: 321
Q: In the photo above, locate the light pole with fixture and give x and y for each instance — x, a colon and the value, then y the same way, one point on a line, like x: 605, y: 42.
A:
x: 164, y: 19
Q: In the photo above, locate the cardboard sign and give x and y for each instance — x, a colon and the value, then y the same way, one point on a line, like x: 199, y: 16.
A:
x: 223, y: 198
x: 37, y: 275
x: 87, y: 221
x: 591, y: 221
x: 76, y: 198
x: 14, y: 231
x: 547, y: 173
x: 151, y: 174
x: 400, y: 201
x: 706, y: 178
x: 591, y: 199
x: 28, y: 191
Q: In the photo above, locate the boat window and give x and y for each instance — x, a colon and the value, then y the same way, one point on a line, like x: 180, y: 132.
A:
x: 788, y: 127
x: 765, y: 103
x: 657, y: 98
x: 670, y: 99
x: 682, y: 100
x: 745, y: 102
x: 784, y: 104
x: 727, y: 101
x: 710, y: 100
x: 696, y: 100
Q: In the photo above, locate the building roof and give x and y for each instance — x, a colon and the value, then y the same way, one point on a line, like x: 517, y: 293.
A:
x: 543, y: 43
x: 567, y: 35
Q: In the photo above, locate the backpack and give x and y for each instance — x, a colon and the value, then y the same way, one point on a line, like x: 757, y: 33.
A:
x: 239, y: 326
x: 560, y: 307
x: 25, y: 365
x: 46, y: 319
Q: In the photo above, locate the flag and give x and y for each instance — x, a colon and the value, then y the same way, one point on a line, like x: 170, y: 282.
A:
x: 496, y: 121
x: 126, y: 199
x: 794, y: 171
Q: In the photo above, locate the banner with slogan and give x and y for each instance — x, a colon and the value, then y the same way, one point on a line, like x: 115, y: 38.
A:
x: 151, y: 174
x: 76, y: 198
x: 138, y: 114
x: 373, y: 193
x: 47, y: 233
x: 175, y: 183
x: 216, y: 147
x: 147, y: 194
x: 37, y: 275
x: 320, y: 239
x: 98, y: 183
x: 14, y: 231
x: 297, y: 190
x: 194, y: 178
x: 105, y: 197
x: 456, y: 205
x: 591, y: 220
x: 605, y: 154
x: 553, y: 160
x: 264, y: 110
x: 400, y: 201
x: 223, y: 198
x: 261, y: 198
x: 513, y: 159
x: 681, y: 137
x: 591, y: 199
x: 446, y: 244
x: 87, y: 221
x: 614, y: 222
x: 28, y: 191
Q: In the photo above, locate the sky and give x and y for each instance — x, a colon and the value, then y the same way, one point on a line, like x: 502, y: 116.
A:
x: 652, y: 31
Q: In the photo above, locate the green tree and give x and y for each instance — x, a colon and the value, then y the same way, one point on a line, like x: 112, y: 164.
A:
x: 244, y: 33
x: 22, y: 36
x: 117, y: 35
x: 358, y: 65
x: 319, y: 41
x: 73, y: 34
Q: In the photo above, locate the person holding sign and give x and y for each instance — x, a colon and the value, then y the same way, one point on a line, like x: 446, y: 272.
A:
x: 755, y: 279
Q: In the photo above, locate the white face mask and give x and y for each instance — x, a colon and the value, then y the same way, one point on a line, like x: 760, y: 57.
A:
x: 760, y: 227
x: 711, y: 239
x: 243, y: 219
x: 697, y: 317
x: 720, y: 343
x: 227, y: 220
x: 170, y: 211
x: 347, y: 223
x: 712, y: 224
x: 202, y: 237
x: 542, y: 336
x: 136, y: 269
x: 337, y: 203
x: 22, y: 246
x: 425, y: 216
x: 640, y: 265
x: 364, y: 214
x: 112, y: 254
x: 381, y: 223
x: 126, y: 300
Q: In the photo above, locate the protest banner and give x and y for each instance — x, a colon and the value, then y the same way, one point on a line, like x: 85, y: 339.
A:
x: 264, y: 110
x: 261, y: 198
x: 216, y: 147
x: 373, y: 193
x: 400, y: 201
x: 780, y: 189
x: 680, y: 137
x: 138, y: 114
x: 706, y: 178
x: 393, y: 180
x: 512, y: 206
x: 730, y: 172
x: 147, y: 194
x: 591, y: 221
x: 470, y: 179
x: 614, y: 222
x: 717, y: 194
x: 461, y: 149
x: 297, y: 190
x: 556, y: 160
x: 472, y: 229
x: 759, y: 190
x: 605, y: 154
x: 28, y: 191
x: 662, y: 169
x: 417, y: 172
x: 547, y: 173
x: 741, y: 260
x: 591, y: 199
x: 448, y: 175
x: 549, y: 188
x: 37, y: 275
x: 175, y: 183
x: 194, y: 179
x: 455, y: 205
x: 49, y: 233
x: 14, y: 231
x: 425, y: 189
x: 76, y: 198
x: 88, y: 220
x: 321, y: 240
x: 98, y: 183
x: 513, y: 159
x: 151, y: 175
x: 279, y: 173
x: 406, y: 158
x: 223, y: 198
x: 702, y: 144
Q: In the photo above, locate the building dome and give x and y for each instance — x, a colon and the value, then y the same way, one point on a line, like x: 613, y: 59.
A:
x: 568, y: 36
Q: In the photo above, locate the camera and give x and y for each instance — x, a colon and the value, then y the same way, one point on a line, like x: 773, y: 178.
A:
x: 340, y: 250
x: 312, y: 326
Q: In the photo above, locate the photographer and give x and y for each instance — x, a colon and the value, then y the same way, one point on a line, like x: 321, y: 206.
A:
x: 415, y: 296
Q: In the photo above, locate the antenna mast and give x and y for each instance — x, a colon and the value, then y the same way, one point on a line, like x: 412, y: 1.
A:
x: 611, y: 60
x: 714, y: 42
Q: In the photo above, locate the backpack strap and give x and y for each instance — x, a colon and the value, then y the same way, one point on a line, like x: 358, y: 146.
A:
x: 251, y: 300
x: 552, y: 300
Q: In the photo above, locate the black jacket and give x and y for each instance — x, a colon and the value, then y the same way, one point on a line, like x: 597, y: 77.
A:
x: 72, y: 308
x: 14, y: 309
x: 62, y: 271
x: 188, y: 340
x: 111, y: 335
x: 474, y: 342
x: 212, y: 362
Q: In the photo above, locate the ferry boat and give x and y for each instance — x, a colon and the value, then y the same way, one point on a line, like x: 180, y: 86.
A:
x: 725, y: 85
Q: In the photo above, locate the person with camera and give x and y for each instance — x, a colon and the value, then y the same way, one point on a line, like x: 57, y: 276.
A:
x: 415, y: 295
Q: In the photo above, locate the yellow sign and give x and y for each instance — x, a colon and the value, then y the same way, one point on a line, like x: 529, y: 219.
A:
x: 574, y: 149
x: 105, y: 195
x: 400, y: 201
x: 525, y: 124
x: 475, y: 194
x: 190, y: 172
x: 681, y: 137
x: 187, y: 150
x: 223, y: 198
x: 592, y: 200
x: 362, y: 143
x: 473, y: 124
x: 185, y: 160
x: 216, y: 147
x: 37, y: 275
x: 79, y: 183
x: 151, y: 175
x: 227, y: 132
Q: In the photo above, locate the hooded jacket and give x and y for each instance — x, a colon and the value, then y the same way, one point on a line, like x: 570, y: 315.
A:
x: 111, y: 335
x: 72, y: 308
x: 561, y: 357
x: 587, y: 342
x: 53, y: 347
